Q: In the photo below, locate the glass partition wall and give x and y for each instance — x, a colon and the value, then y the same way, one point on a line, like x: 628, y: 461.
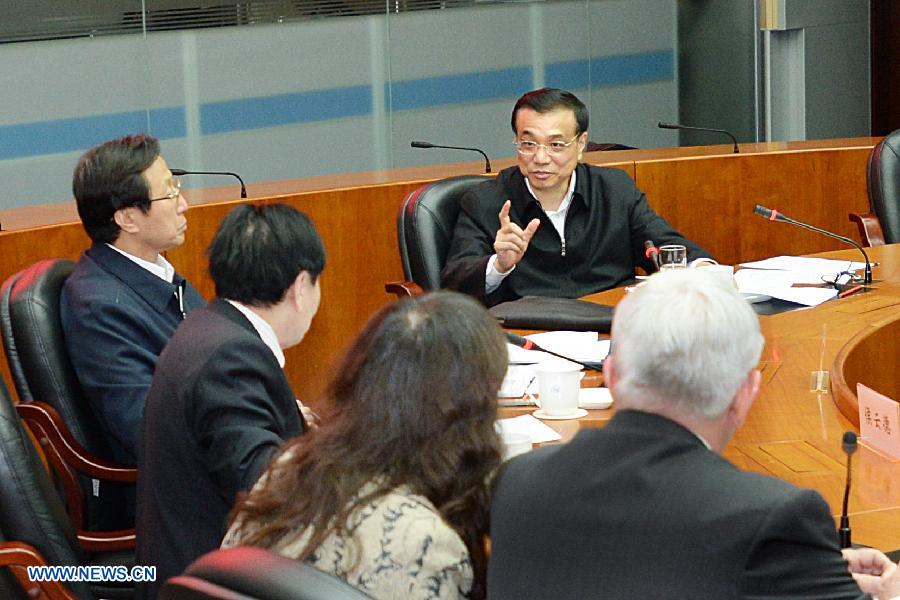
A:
x: 278, y: 90
x: 287, y: 89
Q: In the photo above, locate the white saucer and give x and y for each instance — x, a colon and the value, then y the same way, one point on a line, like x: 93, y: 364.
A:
x: 594, y: 398
x: 580, y: 412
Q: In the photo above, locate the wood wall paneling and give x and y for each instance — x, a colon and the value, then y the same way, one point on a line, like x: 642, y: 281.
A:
x: 711, y: 199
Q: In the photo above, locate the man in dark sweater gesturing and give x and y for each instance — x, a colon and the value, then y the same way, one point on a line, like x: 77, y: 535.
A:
x: 552, y: 226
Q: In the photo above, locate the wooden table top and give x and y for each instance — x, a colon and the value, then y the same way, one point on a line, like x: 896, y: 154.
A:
x: 795, y: 434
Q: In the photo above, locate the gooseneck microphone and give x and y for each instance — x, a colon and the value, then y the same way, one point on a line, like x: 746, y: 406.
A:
x: 523, y: 342
x: 487, y: 162
x: 180, y: 172
x: 849, y: 445
x: 652, y: 252
x: 664, y: 125
x: 774, y: 215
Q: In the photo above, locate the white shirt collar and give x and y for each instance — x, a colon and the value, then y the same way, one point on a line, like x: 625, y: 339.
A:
x: 161, y: 268
x: 264, y: 330
x: 701, y: 438
x: 567, y: 199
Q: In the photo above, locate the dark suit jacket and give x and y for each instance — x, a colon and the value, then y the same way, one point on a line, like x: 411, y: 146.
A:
x: 117, y: 317
x: 641, y: 509
x: 218, y: 409
x: 606, y: 227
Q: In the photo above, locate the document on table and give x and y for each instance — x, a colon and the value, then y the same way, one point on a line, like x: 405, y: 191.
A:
x: 518, y: 380
x: 533, y: 428
x: 780, y: 284
x: 821, y: 266
x: 580, y: 345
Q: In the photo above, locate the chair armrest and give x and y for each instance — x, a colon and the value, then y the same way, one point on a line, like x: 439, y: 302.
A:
x: 869, y: 228
x: 54, y: 431
x: 17, y: 556
x: 107, y: 541
x: 403, y: 289
x: 68, y: 457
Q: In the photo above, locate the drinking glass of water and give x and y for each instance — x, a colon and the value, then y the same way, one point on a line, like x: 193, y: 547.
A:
x: 672, y: 257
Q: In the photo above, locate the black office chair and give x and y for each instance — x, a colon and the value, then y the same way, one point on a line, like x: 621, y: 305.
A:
x: 605, y: 147
x: 43, y: 375
x: 425, y: 230
x: 32, y: 514
x: 881, y: 225
x: 249, y: 573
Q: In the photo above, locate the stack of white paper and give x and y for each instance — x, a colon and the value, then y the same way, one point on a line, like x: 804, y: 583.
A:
x: 802, y: 263
x: 779, y: 284
x: 582, y: 346
x: 780, y: 276
x: 533, y: 428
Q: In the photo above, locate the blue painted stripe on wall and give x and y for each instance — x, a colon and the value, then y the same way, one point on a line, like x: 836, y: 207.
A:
x: 79, y: 133
x: 459, y: 89
x: 285, y: 109
x: 630, y: 69
x: 603, y: 71
x: 168, y: 123
x: 569, y: 75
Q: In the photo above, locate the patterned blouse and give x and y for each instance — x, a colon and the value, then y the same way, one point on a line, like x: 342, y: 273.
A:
x: 403, y: 546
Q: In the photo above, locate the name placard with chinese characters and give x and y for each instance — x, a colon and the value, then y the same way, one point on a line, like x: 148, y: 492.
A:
x: 879, y: 421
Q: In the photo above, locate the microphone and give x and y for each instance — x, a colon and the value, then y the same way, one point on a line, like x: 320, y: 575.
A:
x: 523, y: 342
x: 664, y: 125
x: 849, y: 445
x: 774, y: 215
x: 487, y: 162
x: 652, y: 252
x: 180, y: 172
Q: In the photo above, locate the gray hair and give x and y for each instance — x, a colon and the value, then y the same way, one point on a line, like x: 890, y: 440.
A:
x: 683, y: 341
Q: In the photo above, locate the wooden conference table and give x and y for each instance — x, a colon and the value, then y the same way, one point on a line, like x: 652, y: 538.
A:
x: 795, y: 434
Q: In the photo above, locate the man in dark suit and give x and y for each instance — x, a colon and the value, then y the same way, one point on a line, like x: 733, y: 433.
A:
x: 646, y: 507
x: 220, y: 404
x: 551, y: 226
x: 123, y: 301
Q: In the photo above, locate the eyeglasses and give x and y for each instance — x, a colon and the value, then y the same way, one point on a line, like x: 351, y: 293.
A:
x: 529, y: 147
x: 176, y: 183
x: 842, y: 279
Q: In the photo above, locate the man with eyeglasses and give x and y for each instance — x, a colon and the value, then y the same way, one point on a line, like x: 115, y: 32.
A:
x: 124, y: 300
x: 552, y: 226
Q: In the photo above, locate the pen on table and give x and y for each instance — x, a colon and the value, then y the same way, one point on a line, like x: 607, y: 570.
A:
x: 527, y: 393
x: 853, y: 290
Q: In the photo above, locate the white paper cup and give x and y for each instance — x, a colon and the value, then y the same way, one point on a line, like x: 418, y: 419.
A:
x: 558, y: 385
x: 515, y: 444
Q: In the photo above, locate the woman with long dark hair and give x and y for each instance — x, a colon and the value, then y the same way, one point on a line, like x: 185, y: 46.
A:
x: 391, y: 492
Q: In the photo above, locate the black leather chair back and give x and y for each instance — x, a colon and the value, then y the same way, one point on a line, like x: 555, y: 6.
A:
x: 246, y: 572
x: 36, y: 350
x: 604, y: 146
x: 39, y: 361
x: 30, y: 510
x: 884, y: 185
x: 425, y: 227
